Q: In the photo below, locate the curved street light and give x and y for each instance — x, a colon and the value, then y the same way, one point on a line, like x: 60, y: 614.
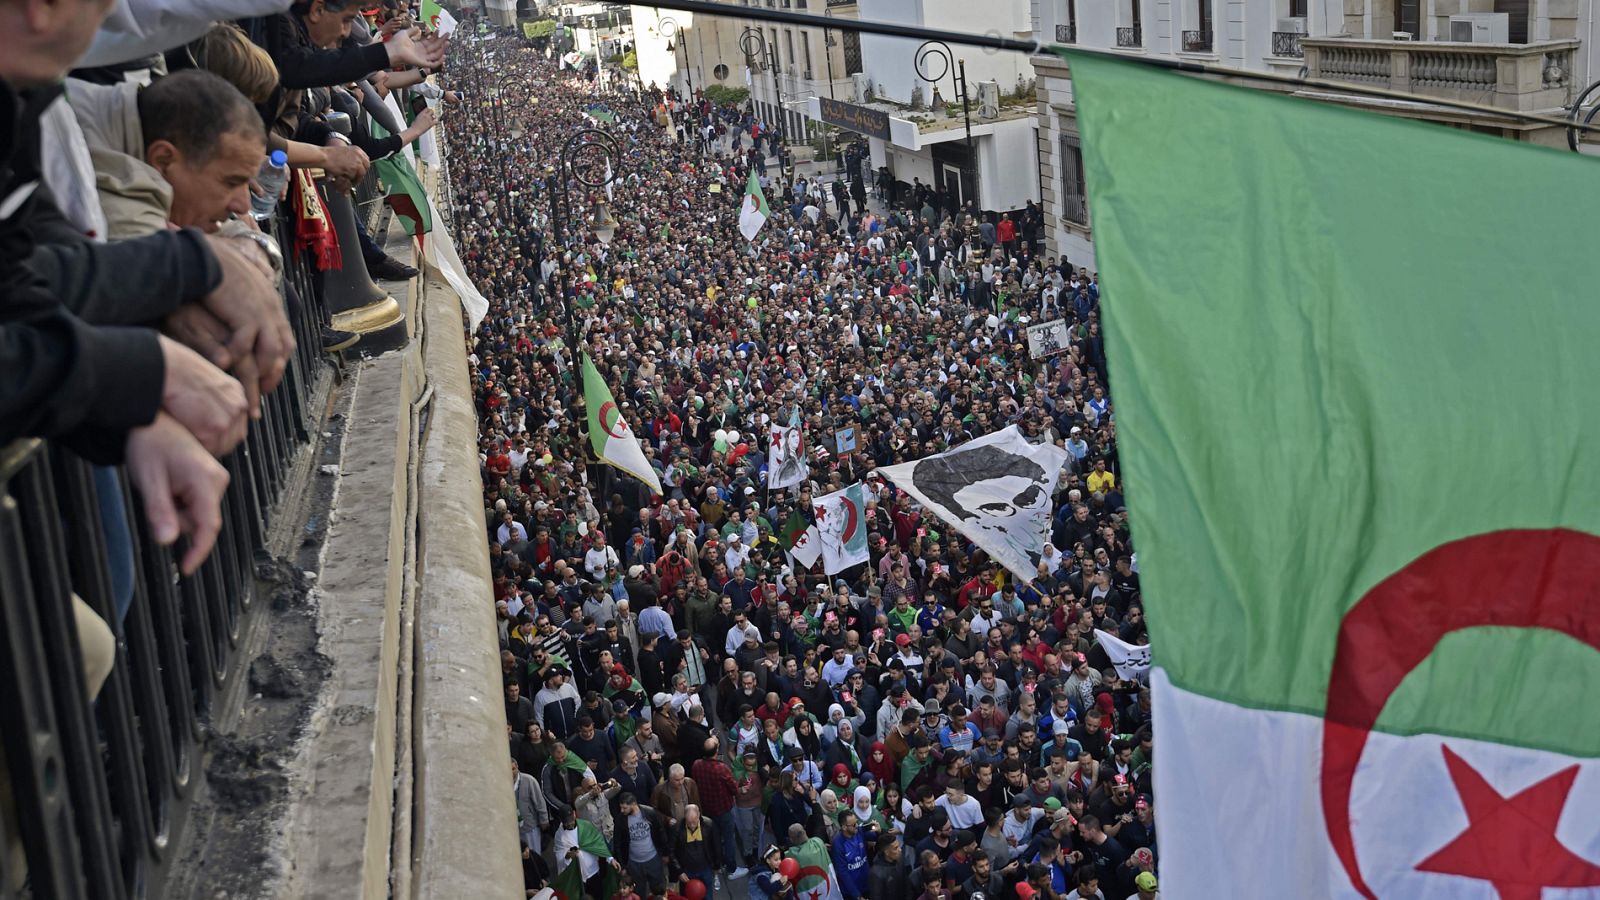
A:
x: 932, y: 64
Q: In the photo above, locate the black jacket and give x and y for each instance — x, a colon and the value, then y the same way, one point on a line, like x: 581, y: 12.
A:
x: 59, y: 377
x: 703, y: 854
x: 620, y: 838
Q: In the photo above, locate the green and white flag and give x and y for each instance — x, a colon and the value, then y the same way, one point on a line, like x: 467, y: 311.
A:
x: 753, y: 214
x: 817, y: 879
x: 841, y: 527
x: 1356, y: 410
x: 613, y: 441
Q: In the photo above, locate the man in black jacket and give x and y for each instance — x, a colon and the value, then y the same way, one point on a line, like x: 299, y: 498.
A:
x: 638, y: 835
x: 695, y: 847
x: 888, y: 878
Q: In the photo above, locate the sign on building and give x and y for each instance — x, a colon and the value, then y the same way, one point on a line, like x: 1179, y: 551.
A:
x: 870, y: 122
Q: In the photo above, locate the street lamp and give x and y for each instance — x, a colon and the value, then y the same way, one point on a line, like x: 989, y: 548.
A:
x: 668, y: 28
x: 593, y: 158
x: 754, y: 44
x: 932, y: 62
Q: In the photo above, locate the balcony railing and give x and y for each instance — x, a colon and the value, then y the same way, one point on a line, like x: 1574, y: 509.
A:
x: 1287, y: 43
x: 1197, y: 42
x: 103, y: 788
x: 1130, y: 36
x: 1066, y: 34
x: 1522, y: 77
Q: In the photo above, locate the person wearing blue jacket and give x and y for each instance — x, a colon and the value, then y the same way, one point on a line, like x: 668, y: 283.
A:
x: 852, y: 855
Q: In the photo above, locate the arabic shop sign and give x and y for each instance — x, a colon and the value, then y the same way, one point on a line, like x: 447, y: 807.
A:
x: 871, y: 122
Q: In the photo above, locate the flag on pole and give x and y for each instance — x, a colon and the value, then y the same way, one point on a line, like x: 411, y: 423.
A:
x: 753, y: 214
x: 793, y: 529
x: 842, y: 528
x: 1132, y: 661
x: 816, y: 880
x: 611, y: 437
x: 995, y: 490
x: 1370, y: 591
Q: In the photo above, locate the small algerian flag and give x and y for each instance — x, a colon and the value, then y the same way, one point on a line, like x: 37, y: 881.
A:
x: 430, y: 14
x: 1372, y: 574
x: 613, y: 440
x: 753, y: 214
x: 793, y: 528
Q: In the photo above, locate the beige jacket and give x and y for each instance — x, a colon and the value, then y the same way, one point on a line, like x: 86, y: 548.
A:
x: 136, y: 199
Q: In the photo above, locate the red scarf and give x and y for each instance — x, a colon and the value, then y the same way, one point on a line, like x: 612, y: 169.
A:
x: 313, y: 227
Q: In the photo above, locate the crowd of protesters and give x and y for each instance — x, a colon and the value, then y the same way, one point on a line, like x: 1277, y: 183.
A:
x: 673, y: 682
x: 143, y: 314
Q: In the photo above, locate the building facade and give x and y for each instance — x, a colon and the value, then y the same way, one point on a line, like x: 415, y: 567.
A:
x: 1516, y: 55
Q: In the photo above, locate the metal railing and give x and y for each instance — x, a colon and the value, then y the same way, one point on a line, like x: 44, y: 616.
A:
x: 1066, y: 34
x: 1130, y: 36
x: 1197, y: 42
x: 102, y: 788
x: 1287, y: 43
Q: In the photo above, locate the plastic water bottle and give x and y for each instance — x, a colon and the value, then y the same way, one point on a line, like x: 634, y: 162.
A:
x: 274, y: 172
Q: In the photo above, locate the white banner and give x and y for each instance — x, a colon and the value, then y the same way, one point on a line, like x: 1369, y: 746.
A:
x: 786, y: 457
x: 841, y: 528
x: 1047, y: 338
x: 1132, y: 661
x: 995, y: 490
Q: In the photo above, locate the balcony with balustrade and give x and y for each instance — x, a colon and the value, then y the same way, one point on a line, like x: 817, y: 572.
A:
x: 1130, y: 37
x: 1197, y: 41
x: 1514, y: 77
x: 1287, y: 44
x: 1066, y: 33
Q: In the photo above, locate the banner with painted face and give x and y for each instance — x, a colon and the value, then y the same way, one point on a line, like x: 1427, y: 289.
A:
x: 841, y: 526
x: 994, y: 490
x: 786, y: 457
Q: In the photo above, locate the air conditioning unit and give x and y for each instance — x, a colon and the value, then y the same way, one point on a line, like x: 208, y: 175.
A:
x: 1481, y: 28
x: 988, y: 100
x: 1293, y: 25
x: 860, y: 87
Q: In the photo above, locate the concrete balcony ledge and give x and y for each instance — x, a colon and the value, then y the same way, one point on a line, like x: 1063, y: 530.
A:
x: 1517, y: 77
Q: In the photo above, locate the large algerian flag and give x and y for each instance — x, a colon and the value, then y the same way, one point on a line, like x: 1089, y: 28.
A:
x: 611, y: 437
x: 402, y: 189
x: 753, y: 214
x: 1363, y: 458
x: 816, y: 880
x: 841, y: 519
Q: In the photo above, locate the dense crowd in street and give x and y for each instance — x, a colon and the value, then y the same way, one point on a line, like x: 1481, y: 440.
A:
x: 689, y: 710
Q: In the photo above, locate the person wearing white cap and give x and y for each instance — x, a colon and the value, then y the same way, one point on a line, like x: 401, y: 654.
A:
x: 737, y: 553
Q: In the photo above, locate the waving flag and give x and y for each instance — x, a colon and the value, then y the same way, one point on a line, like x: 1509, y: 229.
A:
x: 842, y: 528
x: 1132, y: 661
x: 1371, y: 591
x: 786, y: 457
x: 995, y: 490
x: 753, y: 214
x: 611, y: 437
x: 816, y: 880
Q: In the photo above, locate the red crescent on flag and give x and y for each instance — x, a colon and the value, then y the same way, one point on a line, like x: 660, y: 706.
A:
x: 852, y: 524
x: 817, y: 871
x: 611, y: 406
x: 1474, y: 582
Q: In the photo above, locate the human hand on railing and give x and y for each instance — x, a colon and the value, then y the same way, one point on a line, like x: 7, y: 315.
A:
x: 203, y: 398
x: 345, y: 161
x: 181, y: 486
x: 260, y: 338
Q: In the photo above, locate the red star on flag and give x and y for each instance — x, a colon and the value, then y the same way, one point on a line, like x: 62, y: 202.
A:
x: 1511, y: 841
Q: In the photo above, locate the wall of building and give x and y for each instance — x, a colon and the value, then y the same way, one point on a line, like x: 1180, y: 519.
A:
x: 888, y: 61
x: 1008, y: 165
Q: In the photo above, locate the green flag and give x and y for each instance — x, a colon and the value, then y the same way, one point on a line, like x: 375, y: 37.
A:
x: 611, y: 437
x: 568, y: 883
x: 793, y: 528
x: 816, y: 880
x: 1355, y: 366
x: 402, y: 189
x: 753, y: 214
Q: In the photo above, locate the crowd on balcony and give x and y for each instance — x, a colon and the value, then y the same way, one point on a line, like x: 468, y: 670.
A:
x: 689, y: 709
x: 144, y: 314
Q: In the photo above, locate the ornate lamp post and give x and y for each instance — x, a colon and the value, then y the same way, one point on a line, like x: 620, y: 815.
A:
x: 932, y: 62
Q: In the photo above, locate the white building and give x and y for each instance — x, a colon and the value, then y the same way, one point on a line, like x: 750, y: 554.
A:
x: 1517, y: 55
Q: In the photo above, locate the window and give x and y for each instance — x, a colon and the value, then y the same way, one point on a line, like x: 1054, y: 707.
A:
x: 1067, y: 28
x: 788, y: 45
x: 1074, y: 206
x: 852, y: 53
x: 805, y: 52
x: 720, y: 72
x: 1297, y: 8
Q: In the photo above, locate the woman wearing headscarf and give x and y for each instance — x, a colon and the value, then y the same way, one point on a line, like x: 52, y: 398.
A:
x: 861, y: 804
x: 802, y: 733
x: 880, y: 763
x: 845, y: 749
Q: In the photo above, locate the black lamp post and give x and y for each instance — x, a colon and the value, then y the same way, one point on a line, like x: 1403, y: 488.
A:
x: 754, y: 44
x: 668, y: 28
x: 593, y: 158
x: 932, y: 62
